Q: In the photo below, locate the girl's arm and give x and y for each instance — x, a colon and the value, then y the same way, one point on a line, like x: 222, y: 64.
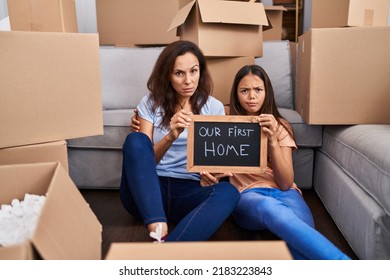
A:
x: 281, y: 157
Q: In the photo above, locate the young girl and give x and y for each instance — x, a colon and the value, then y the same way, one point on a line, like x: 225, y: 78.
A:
x: 272, y: 200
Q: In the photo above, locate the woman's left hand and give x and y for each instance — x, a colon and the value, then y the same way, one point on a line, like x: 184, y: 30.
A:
x: 208, y: 179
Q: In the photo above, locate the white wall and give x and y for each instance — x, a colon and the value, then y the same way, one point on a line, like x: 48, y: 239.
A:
x: 86, y: 16
x: 3, y: 9
x: 307, y: 15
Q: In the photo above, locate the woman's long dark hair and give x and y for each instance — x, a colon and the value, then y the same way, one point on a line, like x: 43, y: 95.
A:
x: 159, y: 83
x: 269, y: 104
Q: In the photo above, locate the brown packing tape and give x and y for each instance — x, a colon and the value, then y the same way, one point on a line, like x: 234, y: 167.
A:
x: 368, y: 17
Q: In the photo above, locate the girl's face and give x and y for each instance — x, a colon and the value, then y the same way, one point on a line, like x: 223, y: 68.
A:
x: 251, y: 93
x: 185, y: 75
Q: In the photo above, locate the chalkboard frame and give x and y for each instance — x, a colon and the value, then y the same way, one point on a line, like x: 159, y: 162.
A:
x: 192, y: 167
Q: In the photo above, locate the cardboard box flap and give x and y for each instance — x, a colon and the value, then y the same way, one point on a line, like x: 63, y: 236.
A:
x: 230, y: 12
x: 181, y: 16
x: 50, y: 87
x: 17, y: 252
x: 17, y: 180
x: 67, y: 226
x: 234, y: 12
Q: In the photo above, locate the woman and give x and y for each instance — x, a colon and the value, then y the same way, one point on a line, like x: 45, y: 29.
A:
x: 271, y: 200
x: 155, y: 185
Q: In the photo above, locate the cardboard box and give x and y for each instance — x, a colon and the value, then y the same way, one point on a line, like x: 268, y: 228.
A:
x: 23, y: 251
x: 67, y: 228
x: 209, y: 250
x: 43, y: 15
x: 222, y: 28
x: 275, y: 16
x: 341, y: 13
x: 343, y: 75
x: 45, y: 152
x: 50, y: 87
x: 223, y: 71
x: 129, y: 22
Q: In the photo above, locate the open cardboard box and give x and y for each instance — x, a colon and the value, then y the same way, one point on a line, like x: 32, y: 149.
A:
x: 43, y: 15
x: 67, y: 228
x: 129, y: 23
x: 342, y: 13
x: 223, y: 71
x: 208, y: 250
x: 222, y: 28
x: 44, y: 152
x: 275, y: 16
x: 343, y: 76
x: 50, y: 87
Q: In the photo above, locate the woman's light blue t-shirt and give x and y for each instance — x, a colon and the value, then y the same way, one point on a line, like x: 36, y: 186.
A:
x: 174, y: 162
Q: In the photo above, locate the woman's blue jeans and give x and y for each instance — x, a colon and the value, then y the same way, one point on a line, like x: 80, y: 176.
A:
x: 197, y: 211
x: 286, y: 214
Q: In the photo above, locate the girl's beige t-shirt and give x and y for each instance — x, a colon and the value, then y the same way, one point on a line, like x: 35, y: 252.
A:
x: 264, y: 180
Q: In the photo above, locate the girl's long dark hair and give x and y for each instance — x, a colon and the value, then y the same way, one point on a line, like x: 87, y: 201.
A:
x: 269, y: 104
x: 159, y: 83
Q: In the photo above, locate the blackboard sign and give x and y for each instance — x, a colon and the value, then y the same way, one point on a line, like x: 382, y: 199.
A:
x: 221, y: 144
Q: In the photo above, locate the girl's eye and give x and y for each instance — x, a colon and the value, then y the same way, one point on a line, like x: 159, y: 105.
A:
x: 244, y: 91
x: 258, y: 90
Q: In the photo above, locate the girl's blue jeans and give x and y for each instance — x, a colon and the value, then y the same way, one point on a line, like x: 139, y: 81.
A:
x: 286, y: 214
x: 197, y: 211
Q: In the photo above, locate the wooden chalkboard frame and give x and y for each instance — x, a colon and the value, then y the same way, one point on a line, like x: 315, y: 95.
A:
x: 191, y: 167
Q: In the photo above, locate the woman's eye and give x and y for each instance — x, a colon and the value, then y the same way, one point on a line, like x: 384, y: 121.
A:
x: 179, y: 74
x: 194, y: 71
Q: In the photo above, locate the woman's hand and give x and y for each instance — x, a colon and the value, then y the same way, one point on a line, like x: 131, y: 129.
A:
x: 179, y: 121
x: 208, y: 179
x: 270, y: 126
x: 135, y: 123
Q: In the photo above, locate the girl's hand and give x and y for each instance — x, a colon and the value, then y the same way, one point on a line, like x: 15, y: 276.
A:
x: 178, y: 122
x: 135, y: 123
x: 270, y: 126
x: 208, y: 179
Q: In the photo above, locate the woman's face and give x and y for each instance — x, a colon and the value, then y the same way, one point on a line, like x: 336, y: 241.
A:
x: 185, y: 75
x: 251, y: 93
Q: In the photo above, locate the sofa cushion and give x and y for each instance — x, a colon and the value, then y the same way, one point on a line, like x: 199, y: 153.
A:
x: 124, y: 74
x: 276, y: 61
x: 363, y: 152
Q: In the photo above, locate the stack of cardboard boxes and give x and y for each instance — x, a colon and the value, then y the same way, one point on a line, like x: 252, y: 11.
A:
x: 230, y: 33
x: 50, y: 91
x: 344, y: 63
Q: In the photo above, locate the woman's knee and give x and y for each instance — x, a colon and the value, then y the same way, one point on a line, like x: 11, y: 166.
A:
x: 136, y: 141
x: 228, y: 191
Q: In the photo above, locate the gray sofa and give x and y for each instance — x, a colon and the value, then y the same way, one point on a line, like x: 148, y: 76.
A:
x: 95, y: 162
x: 352, y: 178
x: 348, y: 166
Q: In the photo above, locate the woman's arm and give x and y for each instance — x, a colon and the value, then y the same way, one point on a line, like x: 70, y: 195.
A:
x: 178, y: 122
